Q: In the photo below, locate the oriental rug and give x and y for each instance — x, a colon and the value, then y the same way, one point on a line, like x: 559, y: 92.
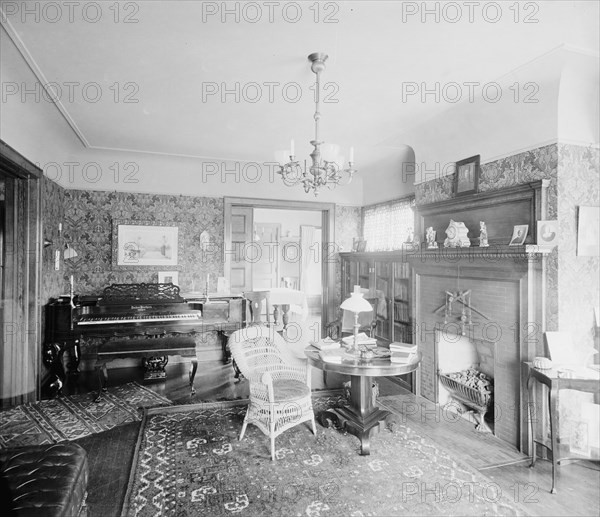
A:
x: 75, y: 416
x: 189, y: 462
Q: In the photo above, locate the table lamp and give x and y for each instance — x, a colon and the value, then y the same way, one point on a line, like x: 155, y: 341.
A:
x: 356, y: 304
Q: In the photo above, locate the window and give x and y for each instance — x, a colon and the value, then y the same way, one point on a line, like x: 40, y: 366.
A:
x: 387, y: 225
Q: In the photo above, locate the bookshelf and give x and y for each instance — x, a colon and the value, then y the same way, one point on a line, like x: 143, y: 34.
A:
x: 388, y: 276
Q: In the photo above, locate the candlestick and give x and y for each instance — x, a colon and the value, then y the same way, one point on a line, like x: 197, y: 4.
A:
x: 71, y: 291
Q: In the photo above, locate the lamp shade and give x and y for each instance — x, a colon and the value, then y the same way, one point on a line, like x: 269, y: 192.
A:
x: 356, y: 302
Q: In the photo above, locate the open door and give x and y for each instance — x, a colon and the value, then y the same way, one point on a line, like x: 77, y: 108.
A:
x: 265, y: 270
x: 241, y: 244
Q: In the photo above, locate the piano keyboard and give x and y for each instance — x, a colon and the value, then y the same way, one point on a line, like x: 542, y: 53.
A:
x: 109, y: 320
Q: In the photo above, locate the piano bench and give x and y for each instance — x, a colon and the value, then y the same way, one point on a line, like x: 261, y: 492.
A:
x: 154, y: 353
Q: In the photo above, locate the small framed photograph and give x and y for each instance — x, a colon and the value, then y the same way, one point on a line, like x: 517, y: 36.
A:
x: 466, y: 178
x: 168, y: 277
x: 519, y: 234
x: 547, y: 233
x: 362, y: 245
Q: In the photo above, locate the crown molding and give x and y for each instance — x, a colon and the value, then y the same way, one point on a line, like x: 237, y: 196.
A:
x: 37, y: 72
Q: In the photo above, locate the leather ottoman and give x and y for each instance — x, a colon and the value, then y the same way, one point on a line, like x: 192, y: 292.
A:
x: 48, y: 480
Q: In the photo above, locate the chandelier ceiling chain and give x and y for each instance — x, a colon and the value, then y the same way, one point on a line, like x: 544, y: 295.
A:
x: 322, y: 172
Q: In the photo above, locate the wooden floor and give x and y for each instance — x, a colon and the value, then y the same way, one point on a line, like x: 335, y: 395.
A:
x: 578, y: 484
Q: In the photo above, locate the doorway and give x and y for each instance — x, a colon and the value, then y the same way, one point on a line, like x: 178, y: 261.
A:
x: 282, y: 244
x: 20, y: 230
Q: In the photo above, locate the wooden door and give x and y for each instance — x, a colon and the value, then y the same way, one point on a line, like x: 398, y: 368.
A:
x: 265, y: 268
x: 242, y: 249
x: 20, y: 342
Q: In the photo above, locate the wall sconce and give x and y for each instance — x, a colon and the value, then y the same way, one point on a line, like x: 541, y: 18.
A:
x: 69, y: 252
x: 47, y: 242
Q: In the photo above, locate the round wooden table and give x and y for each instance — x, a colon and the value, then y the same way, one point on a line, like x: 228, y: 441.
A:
x: 361, y: 416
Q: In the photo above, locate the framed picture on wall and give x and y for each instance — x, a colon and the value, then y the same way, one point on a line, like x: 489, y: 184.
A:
x: 547, y: 233
x: 466, y: 178
x: 588, y: 240
x: 145, y: 245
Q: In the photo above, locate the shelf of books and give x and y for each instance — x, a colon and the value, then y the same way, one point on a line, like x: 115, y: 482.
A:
x: 388, y: 277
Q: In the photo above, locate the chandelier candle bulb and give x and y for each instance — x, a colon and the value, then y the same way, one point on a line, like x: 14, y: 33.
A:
x: 292, y: 148
x: 351, y: 159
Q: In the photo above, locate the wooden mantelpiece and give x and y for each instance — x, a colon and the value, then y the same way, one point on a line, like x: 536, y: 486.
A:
x: 500, y: 209
x: 508, y: 285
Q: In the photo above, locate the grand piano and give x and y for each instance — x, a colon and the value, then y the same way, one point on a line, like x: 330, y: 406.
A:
x: 150, y: 321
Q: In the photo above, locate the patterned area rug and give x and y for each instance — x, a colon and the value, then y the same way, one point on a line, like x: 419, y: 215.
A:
x: 189, y: 462
x: 76, y: 416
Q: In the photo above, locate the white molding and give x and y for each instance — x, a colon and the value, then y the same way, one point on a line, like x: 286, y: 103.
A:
x: 37, y: 72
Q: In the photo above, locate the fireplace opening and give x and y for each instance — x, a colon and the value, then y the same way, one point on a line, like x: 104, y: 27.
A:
x: 465, y: 371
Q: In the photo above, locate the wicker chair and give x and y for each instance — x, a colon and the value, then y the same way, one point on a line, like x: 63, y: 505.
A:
x: 280, y: 395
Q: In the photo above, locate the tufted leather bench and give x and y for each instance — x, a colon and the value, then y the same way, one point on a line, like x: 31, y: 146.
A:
x: 48, y: 480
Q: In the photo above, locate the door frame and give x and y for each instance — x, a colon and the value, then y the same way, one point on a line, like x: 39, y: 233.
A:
x: 23, y: 281
x: 328, y: 259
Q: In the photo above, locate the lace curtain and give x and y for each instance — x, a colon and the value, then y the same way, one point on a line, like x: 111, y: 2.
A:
x: 388, y: 225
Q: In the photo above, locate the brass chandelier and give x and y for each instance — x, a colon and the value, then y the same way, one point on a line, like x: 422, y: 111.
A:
x: 322, y: 172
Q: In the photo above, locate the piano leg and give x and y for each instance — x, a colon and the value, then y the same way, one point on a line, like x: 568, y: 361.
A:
x: 193, y: 368
x: 74, y: 358
x: 52, y: 357
x: 102, y: 381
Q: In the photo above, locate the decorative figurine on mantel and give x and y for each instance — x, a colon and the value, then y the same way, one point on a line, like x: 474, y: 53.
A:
x: 410, y: 237
x: 483, y: 236
x: 430, y: 237
x: 457, y: 235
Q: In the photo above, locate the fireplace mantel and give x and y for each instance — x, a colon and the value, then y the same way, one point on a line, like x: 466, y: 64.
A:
x: 500, y: 209
x: 507, y: 284
x: 494, y: 251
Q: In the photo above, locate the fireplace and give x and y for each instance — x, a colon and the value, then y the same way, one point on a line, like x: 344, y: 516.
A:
x: 465, y: 369
x: 506, y: 292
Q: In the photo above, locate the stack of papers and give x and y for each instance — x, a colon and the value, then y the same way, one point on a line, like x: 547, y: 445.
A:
x: 361, y: 339
x: 331, y: 356
x: 326, y: 344
x: 404, y: 353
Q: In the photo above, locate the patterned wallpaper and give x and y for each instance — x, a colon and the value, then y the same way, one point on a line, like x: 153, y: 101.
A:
x: 573, y: 174
x: 513, y: 170
x: 578, y: 290
x: 89, y: 216
x: 54, y: 283
x: 347, y: 228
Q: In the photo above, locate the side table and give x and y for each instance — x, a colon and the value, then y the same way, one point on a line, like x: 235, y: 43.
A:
x: 584, y: 379
x: 361, y: 417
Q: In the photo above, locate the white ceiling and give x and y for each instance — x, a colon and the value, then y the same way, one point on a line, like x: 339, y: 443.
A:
x: 170, y: 53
